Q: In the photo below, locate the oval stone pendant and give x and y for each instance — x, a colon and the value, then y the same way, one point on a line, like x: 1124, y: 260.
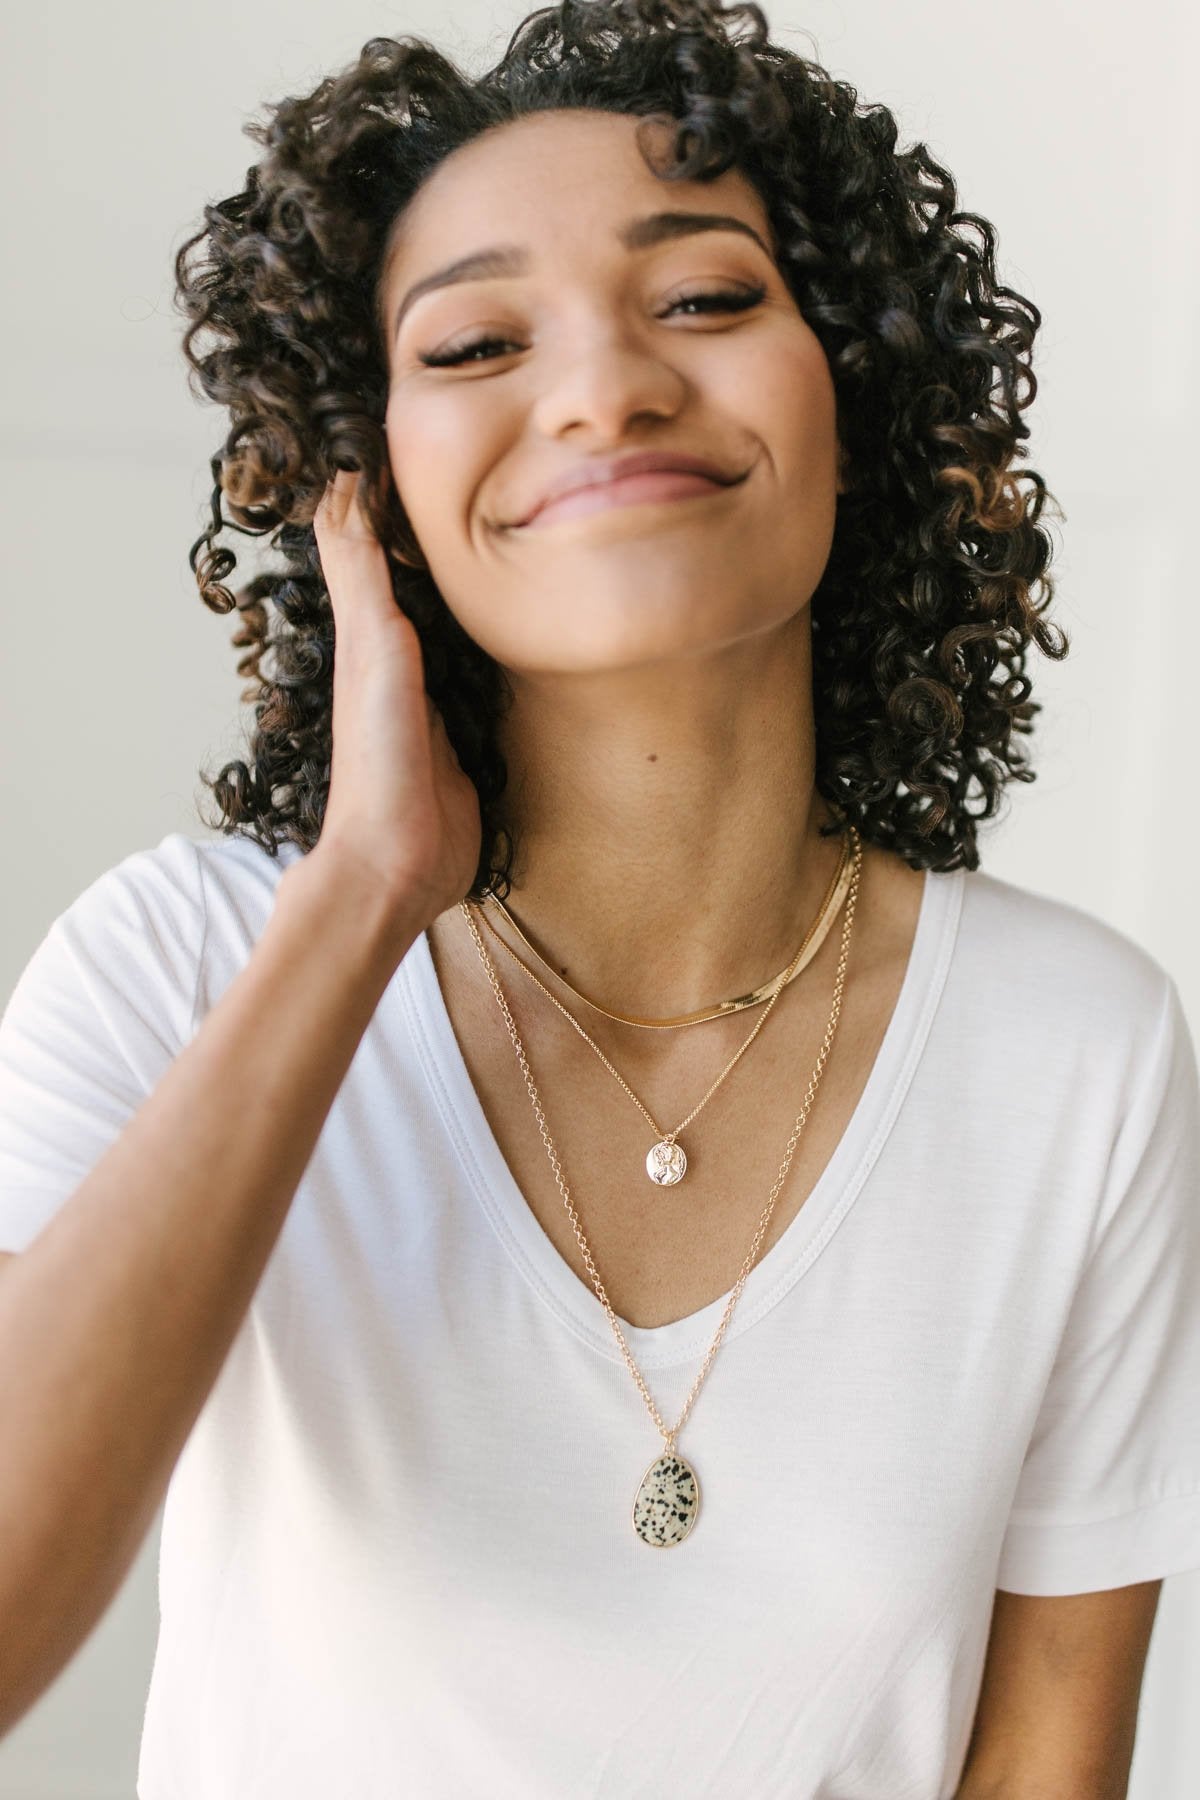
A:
x: 667, y: 1502
x: 666, y: 1164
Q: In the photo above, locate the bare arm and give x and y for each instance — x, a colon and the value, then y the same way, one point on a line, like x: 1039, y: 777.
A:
x: 1058, y: 1705
x: 115, y: 1322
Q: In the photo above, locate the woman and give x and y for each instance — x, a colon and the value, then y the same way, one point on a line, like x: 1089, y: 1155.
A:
x: 591, y: 1102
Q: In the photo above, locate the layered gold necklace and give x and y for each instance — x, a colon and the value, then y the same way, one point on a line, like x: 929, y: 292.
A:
x: 666, y: 1160
x: 667, y: 1502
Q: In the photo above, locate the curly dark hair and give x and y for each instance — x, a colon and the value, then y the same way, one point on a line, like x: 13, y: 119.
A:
x: 935, y: 584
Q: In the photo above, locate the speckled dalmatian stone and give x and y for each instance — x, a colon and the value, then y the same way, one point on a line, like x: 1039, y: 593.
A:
x: 667, y: 1502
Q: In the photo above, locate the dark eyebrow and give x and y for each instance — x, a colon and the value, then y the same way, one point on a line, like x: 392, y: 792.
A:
x: 513, y: 259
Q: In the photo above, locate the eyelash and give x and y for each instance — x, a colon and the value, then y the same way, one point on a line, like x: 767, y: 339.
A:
x: 726, y: 300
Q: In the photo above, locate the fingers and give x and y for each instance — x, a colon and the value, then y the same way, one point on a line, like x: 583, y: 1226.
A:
x: 357, y: 575
x: 353, y: 561
x: 336, y: 510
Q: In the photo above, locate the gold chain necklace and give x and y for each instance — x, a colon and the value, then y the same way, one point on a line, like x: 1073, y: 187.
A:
x: 666, y: 1160
x: 667, y: 1502
x: 812, y: 943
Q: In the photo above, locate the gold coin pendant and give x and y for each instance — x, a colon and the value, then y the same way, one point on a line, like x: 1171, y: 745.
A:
x: 666, y: 1163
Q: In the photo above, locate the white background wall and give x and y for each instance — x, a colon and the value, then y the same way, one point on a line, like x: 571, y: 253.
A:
x: 1073, y: 128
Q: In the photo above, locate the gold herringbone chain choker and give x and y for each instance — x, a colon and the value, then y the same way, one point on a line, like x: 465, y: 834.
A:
x: 741, y: 1002
x: 667, y: 1501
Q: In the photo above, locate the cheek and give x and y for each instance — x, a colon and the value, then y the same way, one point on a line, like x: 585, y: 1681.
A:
x: 782, y: 393
x: 399, y: 459
x: 437, y: 461
x: 807, y: 444
x: 423, y: 478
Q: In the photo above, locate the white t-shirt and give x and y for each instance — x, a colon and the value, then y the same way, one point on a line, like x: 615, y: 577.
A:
x: 397, y: 1550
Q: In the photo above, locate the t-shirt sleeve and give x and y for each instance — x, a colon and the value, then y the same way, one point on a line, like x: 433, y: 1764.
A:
x: 98, y: 1014
x: 1109, y: 1491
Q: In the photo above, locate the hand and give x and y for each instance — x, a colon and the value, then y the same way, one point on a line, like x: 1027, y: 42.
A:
x: 400, y: 807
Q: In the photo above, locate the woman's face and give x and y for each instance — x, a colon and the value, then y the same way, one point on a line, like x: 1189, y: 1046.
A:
x: 593, y: 355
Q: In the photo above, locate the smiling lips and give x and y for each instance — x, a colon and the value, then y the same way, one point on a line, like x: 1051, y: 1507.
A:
x: 657, y: 485
x: 637, y: 476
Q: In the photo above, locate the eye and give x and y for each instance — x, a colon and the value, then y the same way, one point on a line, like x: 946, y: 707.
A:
x: 708, y: 301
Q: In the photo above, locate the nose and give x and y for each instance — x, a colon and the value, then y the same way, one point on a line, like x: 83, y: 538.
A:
x: 604, y: 379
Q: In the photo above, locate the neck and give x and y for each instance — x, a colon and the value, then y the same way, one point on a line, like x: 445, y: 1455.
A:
x: 667, y: 830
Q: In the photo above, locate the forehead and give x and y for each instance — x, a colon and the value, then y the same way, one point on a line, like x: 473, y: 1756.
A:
x: 556, y: 177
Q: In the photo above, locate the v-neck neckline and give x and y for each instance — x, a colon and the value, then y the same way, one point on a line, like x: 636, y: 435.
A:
x: 779, y: 1267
